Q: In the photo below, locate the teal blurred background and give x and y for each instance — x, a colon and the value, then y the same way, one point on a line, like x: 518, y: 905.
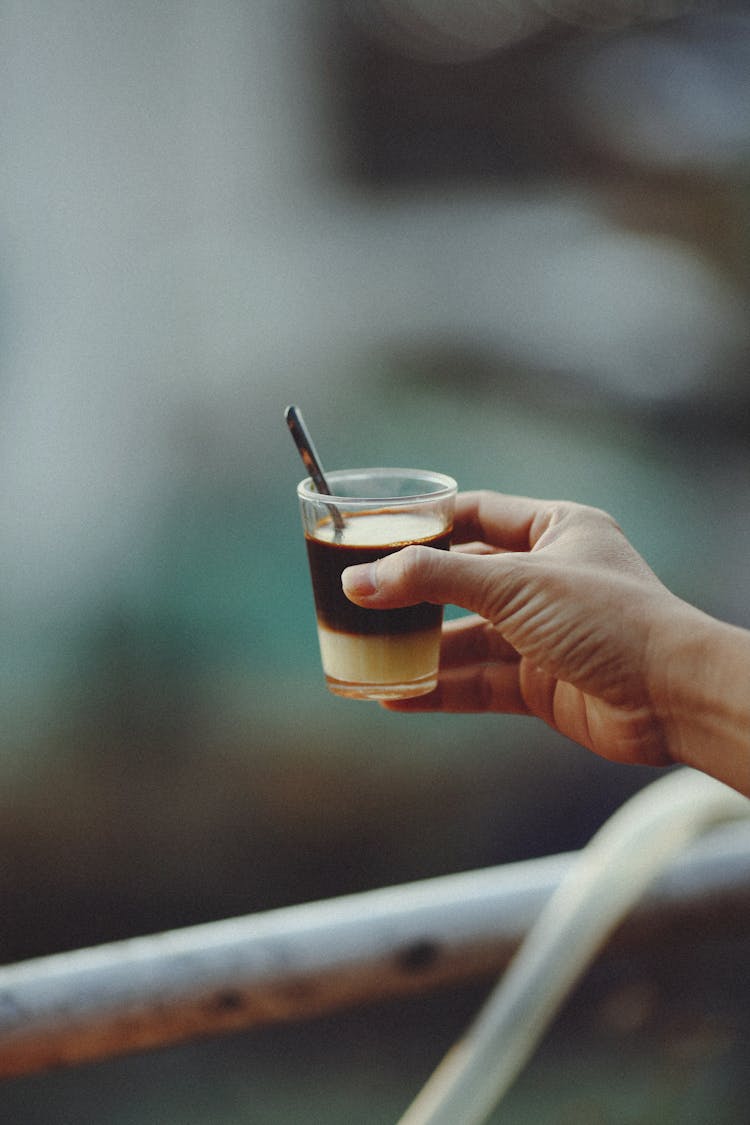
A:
x: 509, y: 242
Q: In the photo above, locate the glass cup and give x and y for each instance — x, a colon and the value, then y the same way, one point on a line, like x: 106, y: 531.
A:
x: 375, y: 653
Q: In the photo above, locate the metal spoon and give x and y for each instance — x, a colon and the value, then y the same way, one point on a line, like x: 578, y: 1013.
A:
x: 311, y: 461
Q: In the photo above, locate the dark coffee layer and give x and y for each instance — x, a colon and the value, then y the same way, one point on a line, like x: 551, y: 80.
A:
x: 335, y: 611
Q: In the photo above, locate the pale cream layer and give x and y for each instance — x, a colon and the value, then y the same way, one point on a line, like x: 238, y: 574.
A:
x: 381, y: 529
x: 395, y: 659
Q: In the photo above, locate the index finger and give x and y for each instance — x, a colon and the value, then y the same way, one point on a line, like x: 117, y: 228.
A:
x: 511, y: 522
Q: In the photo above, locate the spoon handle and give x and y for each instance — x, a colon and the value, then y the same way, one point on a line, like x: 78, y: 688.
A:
x: 307, y: 452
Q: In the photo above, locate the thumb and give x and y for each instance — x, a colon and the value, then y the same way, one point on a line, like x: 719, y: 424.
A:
x: 425, y: 574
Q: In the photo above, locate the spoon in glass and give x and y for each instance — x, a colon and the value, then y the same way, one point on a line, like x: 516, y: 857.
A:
x: 311, y: 461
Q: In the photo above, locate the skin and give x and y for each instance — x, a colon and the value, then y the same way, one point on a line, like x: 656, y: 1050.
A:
x: 569, y: 624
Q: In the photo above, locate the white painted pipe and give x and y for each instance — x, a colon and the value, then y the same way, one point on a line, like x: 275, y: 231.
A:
x: 292, y: 963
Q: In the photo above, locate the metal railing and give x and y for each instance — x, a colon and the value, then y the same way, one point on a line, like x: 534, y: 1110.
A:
x: 300, y: 961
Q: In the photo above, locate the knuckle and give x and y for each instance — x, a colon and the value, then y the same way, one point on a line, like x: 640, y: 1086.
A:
x: 563, y: 517
x: 595, y: 516
x: 412, y: 563
x: 499, y: 587
x: 403, y: 575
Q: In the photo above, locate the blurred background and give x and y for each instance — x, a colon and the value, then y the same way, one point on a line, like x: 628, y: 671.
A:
x: 508, y: 240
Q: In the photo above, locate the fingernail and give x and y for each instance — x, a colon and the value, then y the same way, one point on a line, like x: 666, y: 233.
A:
x: 359, y: 580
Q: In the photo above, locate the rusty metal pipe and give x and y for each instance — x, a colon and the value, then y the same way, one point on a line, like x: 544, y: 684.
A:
x: 300, y: 961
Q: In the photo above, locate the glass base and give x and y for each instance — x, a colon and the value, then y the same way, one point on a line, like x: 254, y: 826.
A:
x: 423, y: 686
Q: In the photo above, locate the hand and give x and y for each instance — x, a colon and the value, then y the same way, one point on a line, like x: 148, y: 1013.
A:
x: 565, y: 615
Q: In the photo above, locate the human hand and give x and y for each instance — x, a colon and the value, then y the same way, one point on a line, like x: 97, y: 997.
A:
x: 564, y: 616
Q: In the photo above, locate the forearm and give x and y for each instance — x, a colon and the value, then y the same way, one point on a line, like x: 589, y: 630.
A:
x: 702, y: 694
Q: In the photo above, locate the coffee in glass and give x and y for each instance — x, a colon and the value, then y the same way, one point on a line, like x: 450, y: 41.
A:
x: 371, y: 653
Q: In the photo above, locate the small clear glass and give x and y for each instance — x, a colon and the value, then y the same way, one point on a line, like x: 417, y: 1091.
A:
x: 371, y: 653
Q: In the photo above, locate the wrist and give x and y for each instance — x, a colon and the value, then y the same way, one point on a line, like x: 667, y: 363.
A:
x: 700, y: 689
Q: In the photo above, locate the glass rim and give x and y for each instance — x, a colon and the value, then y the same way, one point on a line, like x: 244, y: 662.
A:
x: 445, y: 486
